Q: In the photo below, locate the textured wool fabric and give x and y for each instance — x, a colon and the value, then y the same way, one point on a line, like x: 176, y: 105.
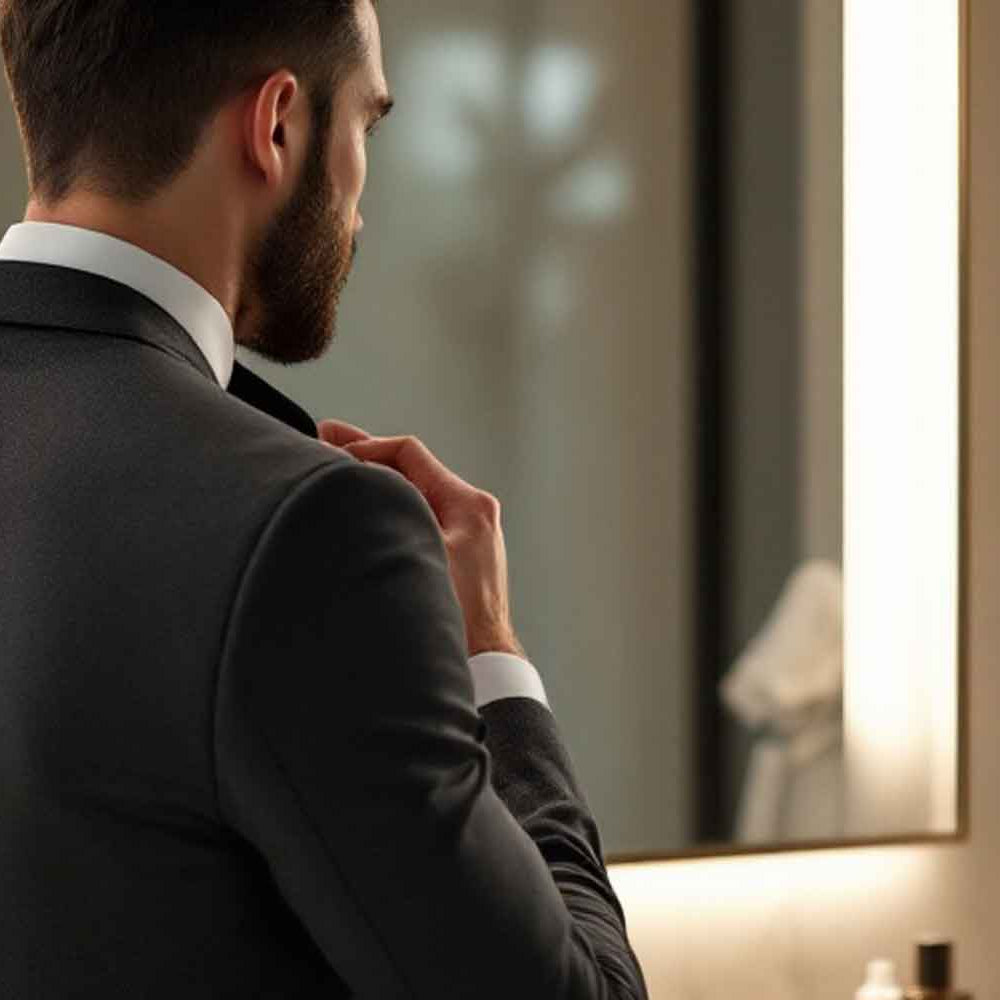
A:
x: 239, y: 751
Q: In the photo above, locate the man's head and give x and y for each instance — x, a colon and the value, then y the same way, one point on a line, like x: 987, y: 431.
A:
x: 228, y: 138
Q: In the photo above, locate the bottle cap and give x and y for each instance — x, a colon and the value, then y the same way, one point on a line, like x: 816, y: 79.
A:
x: 934, y: 963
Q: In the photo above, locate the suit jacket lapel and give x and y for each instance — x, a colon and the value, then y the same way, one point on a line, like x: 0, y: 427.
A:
x: 252, y: 389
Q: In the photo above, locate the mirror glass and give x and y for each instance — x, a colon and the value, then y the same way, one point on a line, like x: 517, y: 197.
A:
x: 603, y: 276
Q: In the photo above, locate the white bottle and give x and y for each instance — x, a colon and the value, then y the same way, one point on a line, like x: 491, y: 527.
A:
x: 881, y: 982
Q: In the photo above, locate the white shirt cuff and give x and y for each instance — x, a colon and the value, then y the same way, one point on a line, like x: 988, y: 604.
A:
x: 504, y: 675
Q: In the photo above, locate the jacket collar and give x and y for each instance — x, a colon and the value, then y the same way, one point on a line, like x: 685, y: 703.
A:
x: 33, y: 294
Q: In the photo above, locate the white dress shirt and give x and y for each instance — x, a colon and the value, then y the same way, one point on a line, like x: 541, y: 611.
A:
x: 494, y: 675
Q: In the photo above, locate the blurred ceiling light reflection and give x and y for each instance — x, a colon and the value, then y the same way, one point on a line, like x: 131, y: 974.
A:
x: 447, y: 75
x: 597, y: 190
x: 460, y: 88
x: 560, y: 83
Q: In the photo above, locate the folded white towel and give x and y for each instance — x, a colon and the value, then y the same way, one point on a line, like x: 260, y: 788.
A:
x: 789, y: 679
x: 788, y: 686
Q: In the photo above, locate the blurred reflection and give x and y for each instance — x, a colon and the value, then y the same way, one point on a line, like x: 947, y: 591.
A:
x: 559, y: 85
x: 463, y: 88
x: 598, y: 190
x: 444, y: 77
x: 548, y: 292
x: 470, y: 94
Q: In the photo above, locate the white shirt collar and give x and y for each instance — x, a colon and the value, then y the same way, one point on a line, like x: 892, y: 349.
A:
x: 193, y: 306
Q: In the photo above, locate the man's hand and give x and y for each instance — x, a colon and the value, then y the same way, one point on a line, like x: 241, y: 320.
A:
x: 470, y: 525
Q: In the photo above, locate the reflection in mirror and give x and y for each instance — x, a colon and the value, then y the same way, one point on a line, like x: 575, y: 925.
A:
x: 602, y: 277
x: 770, y: 343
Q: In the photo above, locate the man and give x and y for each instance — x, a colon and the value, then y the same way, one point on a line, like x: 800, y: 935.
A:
x: 265, y: 726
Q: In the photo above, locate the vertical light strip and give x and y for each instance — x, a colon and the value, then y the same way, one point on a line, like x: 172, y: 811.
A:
x: 901, y: 413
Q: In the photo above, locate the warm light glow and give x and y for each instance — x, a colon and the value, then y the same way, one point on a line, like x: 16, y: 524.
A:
x: 736, y: 884
x: 901, y: 399
x: 695, y: 924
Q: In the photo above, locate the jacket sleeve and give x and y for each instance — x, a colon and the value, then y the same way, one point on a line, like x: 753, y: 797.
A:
x: 350, y: 754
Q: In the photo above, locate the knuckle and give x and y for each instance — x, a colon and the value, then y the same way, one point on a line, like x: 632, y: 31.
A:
x: 487, y: 504
x: 413, y: 446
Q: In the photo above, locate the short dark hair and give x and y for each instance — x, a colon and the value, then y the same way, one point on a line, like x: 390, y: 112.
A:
x: 112, y: 96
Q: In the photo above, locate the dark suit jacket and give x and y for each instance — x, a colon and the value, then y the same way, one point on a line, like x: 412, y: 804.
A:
x: 239, y: 753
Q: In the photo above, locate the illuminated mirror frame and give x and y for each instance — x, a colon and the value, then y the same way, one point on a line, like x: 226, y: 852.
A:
x: 905, y: 405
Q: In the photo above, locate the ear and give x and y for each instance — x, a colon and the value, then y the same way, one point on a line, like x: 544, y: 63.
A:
x: 272, y: 119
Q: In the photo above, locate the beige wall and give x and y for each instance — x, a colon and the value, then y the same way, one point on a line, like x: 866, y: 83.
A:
x: 803, y: 925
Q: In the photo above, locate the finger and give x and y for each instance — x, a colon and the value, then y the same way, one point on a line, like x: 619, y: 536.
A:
x: 339, y: 432
x: 414, y: 460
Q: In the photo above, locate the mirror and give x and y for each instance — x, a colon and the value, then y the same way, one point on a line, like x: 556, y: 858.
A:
x: 679, y: 283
